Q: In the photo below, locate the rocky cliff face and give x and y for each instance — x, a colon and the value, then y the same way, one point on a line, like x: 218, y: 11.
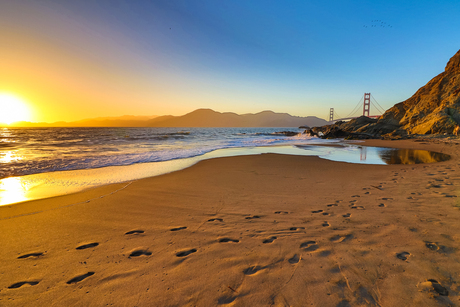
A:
x: 434, y: 108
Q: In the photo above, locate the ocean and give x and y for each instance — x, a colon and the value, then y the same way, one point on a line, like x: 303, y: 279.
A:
x: 25, y: 151
x: 38, y: 163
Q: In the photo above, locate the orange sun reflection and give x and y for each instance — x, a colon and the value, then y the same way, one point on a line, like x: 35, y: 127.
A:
x: 8, y: 157
x: 12, y: 190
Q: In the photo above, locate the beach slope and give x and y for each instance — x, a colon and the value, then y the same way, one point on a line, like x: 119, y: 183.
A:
x: 266, y: 230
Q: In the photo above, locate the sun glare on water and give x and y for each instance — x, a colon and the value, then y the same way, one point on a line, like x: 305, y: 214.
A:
x: 13, y: 109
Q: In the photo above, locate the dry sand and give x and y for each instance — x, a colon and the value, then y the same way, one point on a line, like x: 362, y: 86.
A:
x: 268, y: 230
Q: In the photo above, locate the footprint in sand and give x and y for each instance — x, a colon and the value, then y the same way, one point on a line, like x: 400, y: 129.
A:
x: 309, y: 246
x: 178, y: 228
x: 213, y: 220
x: 295, y: 259
x: 295, y: 228
x: 432, y: 285
x: 382, y: 205
x: 226, y: 299
x: 440, y: 248
x: 33, y: 255
x: 325, y: 224
x: 325, y: 213
x: 89, y: 245
x: 317, y: 211
x: 252, y: 217
x: 438, y: 287
x: 252, y: 270
x: 347, y: 215
x: 134, y: 232
x: 357, y: 207
x: 80, y: 278
x: 140, y: 252
x: 186, y: 253
x: 281, y: 212
x: 269, y: 240
x: 431, y: 245
x: 332, y: 205
x: 340, y: 238
x: 22, y: 283
x: 226, y: 240
x: 403, y: 255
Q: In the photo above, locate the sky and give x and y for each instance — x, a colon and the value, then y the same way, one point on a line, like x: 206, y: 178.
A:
x: 70, y: 60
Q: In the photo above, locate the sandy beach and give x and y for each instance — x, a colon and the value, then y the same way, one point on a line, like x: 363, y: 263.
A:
x: 265, y: 230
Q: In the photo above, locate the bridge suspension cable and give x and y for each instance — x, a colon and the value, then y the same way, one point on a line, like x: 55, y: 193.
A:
x: 377, y: 105
x: 337, y: 115
x: 356, y: 108
x: 367, y: 100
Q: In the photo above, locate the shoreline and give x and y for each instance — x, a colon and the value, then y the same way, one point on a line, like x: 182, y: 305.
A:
x: 247, y: 230
x: 18, y: 189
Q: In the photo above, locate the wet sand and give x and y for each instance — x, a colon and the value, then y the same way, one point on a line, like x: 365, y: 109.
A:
x: 267, y: 230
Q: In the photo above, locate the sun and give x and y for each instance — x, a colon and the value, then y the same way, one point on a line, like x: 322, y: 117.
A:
x: 12, y: 109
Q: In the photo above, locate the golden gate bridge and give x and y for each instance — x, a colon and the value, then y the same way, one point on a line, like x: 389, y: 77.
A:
x: 366, y: 101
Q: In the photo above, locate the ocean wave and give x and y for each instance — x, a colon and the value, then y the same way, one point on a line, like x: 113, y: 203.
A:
x: 48, y: 150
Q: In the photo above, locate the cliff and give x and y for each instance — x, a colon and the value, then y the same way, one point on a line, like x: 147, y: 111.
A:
x: 434, y: 108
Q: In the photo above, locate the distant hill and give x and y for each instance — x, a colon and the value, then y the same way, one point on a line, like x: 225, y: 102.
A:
x: 210, y: 118
x: 197, y: 118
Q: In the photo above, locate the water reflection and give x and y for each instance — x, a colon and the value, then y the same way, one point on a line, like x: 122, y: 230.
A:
x: 8, y: 157
x: 362, y: 153
x: 18, y: 189
x: 12, y: 190
x: 411, y: 156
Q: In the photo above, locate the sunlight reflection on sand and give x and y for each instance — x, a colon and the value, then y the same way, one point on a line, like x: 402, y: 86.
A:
x: 37, y: 186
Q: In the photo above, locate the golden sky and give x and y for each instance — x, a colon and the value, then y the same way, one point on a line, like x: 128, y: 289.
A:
x: 71, y: 60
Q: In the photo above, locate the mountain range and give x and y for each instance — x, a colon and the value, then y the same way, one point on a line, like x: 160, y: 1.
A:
x: 197, y: 118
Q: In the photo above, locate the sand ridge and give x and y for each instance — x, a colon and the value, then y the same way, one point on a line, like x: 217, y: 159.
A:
x: 268, y: 230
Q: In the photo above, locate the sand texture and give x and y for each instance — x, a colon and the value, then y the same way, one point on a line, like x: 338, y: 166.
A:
x: 267, y: 230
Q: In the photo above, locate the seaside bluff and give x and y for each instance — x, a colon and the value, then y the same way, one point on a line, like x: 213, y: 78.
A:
x: 433, y: 109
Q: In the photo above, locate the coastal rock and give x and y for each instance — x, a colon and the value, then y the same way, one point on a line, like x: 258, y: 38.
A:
x: 434, y: 108
x: 287, y: 133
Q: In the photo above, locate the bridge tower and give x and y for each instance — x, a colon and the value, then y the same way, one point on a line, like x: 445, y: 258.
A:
x: 331, y: 114
x: 367, y: 104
